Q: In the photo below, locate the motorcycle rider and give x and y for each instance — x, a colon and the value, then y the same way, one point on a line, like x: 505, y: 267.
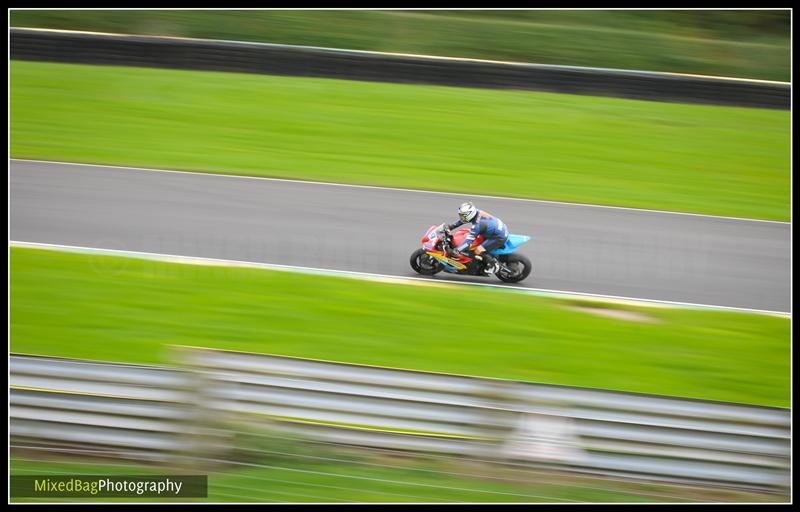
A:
x: 493, y: 229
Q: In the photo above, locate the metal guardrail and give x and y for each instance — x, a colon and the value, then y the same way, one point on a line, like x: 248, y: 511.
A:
x: 583, y: 430
x: 571, y: 428
x: 236, y: 56
x: 137, y: 410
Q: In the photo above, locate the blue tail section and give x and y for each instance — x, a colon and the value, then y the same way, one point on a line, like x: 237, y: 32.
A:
x: 512, y: 243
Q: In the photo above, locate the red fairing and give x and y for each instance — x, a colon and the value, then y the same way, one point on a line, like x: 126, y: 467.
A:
x: 427, y: 236
x: 431, y: 238
x: 461, y: 234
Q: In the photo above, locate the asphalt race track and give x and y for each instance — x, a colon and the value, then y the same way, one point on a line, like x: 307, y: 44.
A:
x: 608, y: 251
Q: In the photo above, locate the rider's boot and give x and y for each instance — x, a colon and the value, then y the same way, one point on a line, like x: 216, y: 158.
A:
x: 490, y: 265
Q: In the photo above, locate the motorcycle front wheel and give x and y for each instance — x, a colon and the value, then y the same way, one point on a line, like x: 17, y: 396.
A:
x: 424, y: 264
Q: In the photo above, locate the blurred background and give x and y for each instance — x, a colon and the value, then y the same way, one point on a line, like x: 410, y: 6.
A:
x: 740, y: 43
x: 190, y: 321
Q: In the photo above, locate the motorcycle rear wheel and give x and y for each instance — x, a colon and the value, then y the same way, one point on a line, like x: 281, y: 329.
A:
x: 519, y: 267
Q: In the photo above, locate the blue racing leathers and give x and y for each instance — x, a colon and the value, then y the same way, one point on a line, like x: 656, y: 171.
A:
x: 494, y: 231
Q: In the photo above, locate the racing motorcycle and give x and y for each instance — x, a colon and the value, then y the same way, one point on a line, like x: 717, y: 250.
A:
x: 437, y: 255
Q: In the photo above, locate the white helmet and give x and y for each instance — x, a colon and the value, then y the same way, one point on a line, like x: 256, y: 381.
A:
x: 467, y: 212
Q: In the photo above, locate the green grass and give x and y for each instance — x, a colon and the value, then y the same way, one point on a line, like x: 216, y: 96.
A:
x: 752, y: 44
x: 130, y: 310
x: 690, y: 158
x: 293, y: 481
x: 288, y: 481
x: 287, y: 470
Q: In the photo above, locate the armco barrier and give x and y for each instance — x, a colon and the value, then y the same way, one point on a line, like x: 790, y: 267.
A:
x: 570, y: 428
x: 573, y: 429
x: 200, y: 54
x: 111, y: 409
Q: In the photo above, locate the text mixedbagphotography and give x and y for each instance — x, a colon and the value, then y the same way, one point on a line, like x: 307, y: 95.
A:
x: 109, y: 486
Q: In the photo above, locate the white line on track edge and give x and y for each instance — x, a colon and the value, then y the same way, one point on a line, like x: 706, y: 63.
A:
x: 198, y: 260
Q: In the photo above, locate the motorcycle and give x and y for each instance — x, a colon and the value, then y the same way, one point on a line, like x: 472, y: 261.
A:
x: 437, y: 255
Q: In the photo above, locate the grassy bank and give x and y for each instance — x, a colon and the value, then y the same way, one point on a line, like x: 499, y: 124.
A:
x: 691, y: 158
x: 121, y: 309
x: 749, y: 44
x: 359, y: 477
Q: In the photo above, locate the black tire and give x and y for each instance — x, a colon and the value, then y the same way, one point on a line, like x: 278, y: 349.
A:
x: 424, y: 264
x: 520, y: 266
